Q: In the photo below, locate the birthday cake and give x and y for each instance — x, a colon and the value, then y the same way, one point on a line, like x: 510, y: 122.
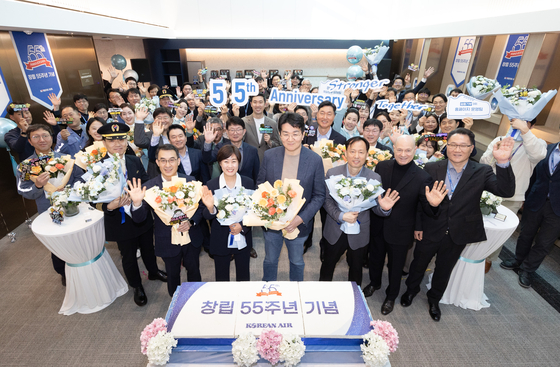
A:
x: 207, y: 317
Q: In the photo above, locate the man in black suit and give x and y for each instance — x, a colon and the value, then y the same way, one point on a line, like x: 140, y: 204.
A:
x: 395, y: 238
x: 119, y: 226
x: 326, y: 113
x: 372, y: 130
x: 459, y: 220
x: 541, y: 214
x: 173, y: 255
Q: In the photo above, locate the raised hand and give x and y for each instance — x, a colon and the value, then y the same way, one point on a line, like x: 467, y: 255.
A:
x: 190, y: 123
x: 142, y: 113
x: 468, y: 121
x: 429, y: 71
x: 235, y: 109
x: 355, y: 93
x: 179, y: 92
x: 135, y: 191
x: 264, y: 74
x: 502, y: 153
x: 113, y: 72
x: 395, y: 134
x: 292, y: 107
x: 91, y: 114
x: 49, y: 118
x: 387, y: 201
x: 209, y: 134
x: 436, y: 195
x: 314, y: 110
x: 207, y: 198
x: 56, y: 102
x: 143, y: 89
x: 157, y: 128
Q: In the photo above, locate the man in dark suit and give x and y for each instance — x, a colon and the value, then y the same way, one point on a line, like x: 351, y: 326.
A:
x: 295, y: 162
x: 257, y: 124
x: 120, y: 227
x: 372, y: 130
x: 459, y: 220
x: 541, y: 214
x: 168, y: 160
x: 326, y: 113
x: 397, y: 234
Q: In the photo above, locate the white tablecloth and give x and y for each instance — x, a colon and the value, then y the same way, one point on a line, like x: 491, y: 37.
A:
x: 466, y: 284
x: 90, y: 287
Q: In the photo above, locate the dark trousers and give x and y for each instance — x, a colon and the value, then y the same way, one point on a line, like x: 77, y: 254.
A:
x: 189, y: 257
x: 309, y: 240
x: 58, y: 265
x: 396, y: 259
x: 333, y: 253
x: 241, y: 258
x: 542, y: 226
x: 129, y: 262
x: 447, y: 255
x: 205, y: 233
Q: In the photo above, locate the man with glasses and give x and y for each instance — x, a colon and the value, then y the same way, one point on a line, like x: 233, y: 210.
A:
x: 40, y: 138
x: 459, y: 220
x: 292, y: 161
x: 73, y: 138
x: 372, y: 130
x: 81, y: 103
x: 305, y: 86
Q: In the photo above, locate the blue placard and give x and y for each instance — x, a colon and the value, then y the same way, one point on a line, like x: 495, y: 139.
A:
x: 513, y: 52
x: 463, y: 53
x: 5, y: 97
x: 37, y: 65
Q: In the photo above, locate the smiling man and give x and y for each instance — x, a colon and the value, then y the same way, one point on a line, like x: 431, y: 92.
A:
x: 326, y: 113
x: 258, y: 127
x: 72, y: 139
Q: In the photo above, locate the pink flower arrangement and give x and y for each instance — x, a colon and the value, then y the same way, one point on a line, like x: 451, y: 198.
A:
x: 268, y: 345
x: 387, y: 332
x: 150, y: 331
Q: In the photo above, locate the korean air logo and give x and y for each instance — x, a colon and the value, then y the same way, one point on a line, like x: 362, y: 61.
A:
x: 269, y: 289
x: 467, y: 47
x: 518, y: 47
x: 35, y: 57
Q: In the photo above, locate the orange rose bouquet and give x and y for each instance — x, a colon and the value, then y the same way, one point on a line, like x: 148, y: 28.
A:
x: 274, y: 207
x: 59, y: 169
x: 375, y: 156
x: 332, y: 155
x: 93, y: 154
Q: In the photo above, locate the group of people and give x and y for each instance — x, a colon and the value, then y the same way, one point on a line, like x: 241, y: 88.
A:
x: 436, y: 207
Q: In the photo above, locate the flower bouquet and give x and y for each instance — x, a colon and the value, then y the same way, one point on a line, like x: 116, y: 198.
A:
x: 489, y: 203
x: 61, y: 205
x: 130, y: 140
x: 104, y: 181
x: 274, y: 207
x: 244, y: 350
x: 149, y: 103
x: 375, y: 156
x: 156, y: 342
x: 332, y: 155
x: 421, y: 159
x: 271, y: 345
x: 93, y: 154
x: 59, y: 169
x: 522, y: 103
x: 231, y: 209
x: 375, y: 55
x: 379, y: 343
x: 353, y: 195
x: 481, y: 87
x: 176, y: 202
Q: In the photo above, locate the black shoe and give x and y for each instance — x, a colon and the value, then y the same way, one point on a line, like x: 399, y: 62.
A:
x: 160, y: 275
x: 254, y: 254
x: 524, y: 278
x: 63, y: 280
x: 369, y: 289
x: 406, y: 299
x: 510, y: 264
x: 387, y: 306
x: 306, y: 247
x: 435, y: 312
x: 140, y: 296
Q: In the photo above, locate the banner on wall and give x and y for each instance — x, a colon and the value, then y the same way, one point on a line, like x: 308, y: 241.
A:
x: 37, y: 65
x: 461, y: 60
x: 5, y: 97
x: 515, y: 46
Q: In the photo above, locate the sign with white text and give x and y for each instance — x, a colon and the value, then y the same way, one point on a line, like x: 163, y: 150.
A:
x: 304, y: 98
x: 461, y: 60
x: 336, y: 85
x: 383, y: 104
x: 241, y: 90
x: 466, y: 106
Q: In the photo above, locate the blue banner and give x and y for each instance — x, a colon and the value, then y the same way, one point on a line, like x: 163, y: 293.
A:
x: 513, y: 52
x: 37, y: 65
x: 462, y: 58
x: 5, y: 97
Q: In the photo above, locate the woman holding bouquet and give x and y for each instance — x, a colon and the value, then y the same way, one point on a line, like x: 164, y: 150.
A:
x: 222, y: 245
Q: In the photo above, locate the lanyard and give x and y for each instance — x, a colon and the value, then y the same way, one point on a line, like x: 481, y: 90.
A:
x: 453, y: 187
x: 515, y: 151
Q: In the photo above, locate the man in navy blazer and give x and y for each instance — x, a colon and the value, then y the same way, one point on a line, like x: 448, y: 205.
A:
x: 325, y: 118
x: 292, y: 161
x: 541, y: 214
x: 172, y: 254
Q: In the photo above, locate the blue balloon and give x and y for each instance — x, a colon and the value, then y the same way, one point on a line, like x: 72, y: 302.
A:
x: 5, y: 126
x: 354, y: 72
x: 118, y: 62
x: 354, y: 54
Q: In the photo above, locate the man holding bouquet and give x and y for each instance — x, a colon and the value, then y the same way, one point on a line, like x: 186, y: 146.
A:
x: 119, y: 225
x: 290, y: 161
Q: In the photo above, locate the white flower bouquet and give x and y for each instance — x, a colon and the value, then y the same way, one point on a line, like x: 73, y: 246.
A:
x: 104, y: 181
x: 489, y: 203
x: 231, y: 209
x: 61, y: 205
x: 149, y: 103
x: 481, y: 87
x: 291, y: 350
x: 353, y: 195
x: 160, y: 347
x: 244, y: 350
x: 375, y: 55
x: 375, y: 350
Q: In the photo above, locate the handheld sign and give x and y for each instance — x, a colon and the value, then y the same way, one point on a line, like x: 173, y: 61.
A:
x: 466, y: 106
x: 241, y: 89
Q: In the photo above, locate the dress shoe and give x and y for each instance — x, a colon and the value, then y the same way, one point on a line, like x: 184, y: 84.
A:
x: 434, y: 310
x: 487, y: 266
x: 510, y: 264
x: 63, y: 281
x: 406, y: 299
x: 524, y: 278
x: 254, y: 254
x: 369, y: 289
x: 160, y: 275
x: 140, y: 296
x: 387, y: 306
x: 306, y: 246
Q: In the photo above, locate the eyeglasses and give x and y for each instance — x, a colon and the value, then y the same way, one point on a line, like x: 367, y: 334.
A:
x: 294, y: 136
x: 39, y: 137
x: 171, y: 161
x: 462, y: 147
x: 235, y: 131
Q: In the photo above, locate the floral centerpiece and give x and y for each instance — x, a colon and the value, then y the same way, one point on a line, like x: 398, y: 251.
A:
x: 489, y: 203
x: 176, y: 202
x: 93, y: 154
x: 353, y: 195
x: 332, y: 155
x: 148, y: 103
x: 375, y: 156
x: 375, y: 55
x: 232, y: 207
x: 271, y: 345
x: 58, y: 168
x: 481, y: 87
x: 104, y: 181
x: 379, y: 343
x: 61, y: 205
x: 274, y: 207
x: 157, y: 343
